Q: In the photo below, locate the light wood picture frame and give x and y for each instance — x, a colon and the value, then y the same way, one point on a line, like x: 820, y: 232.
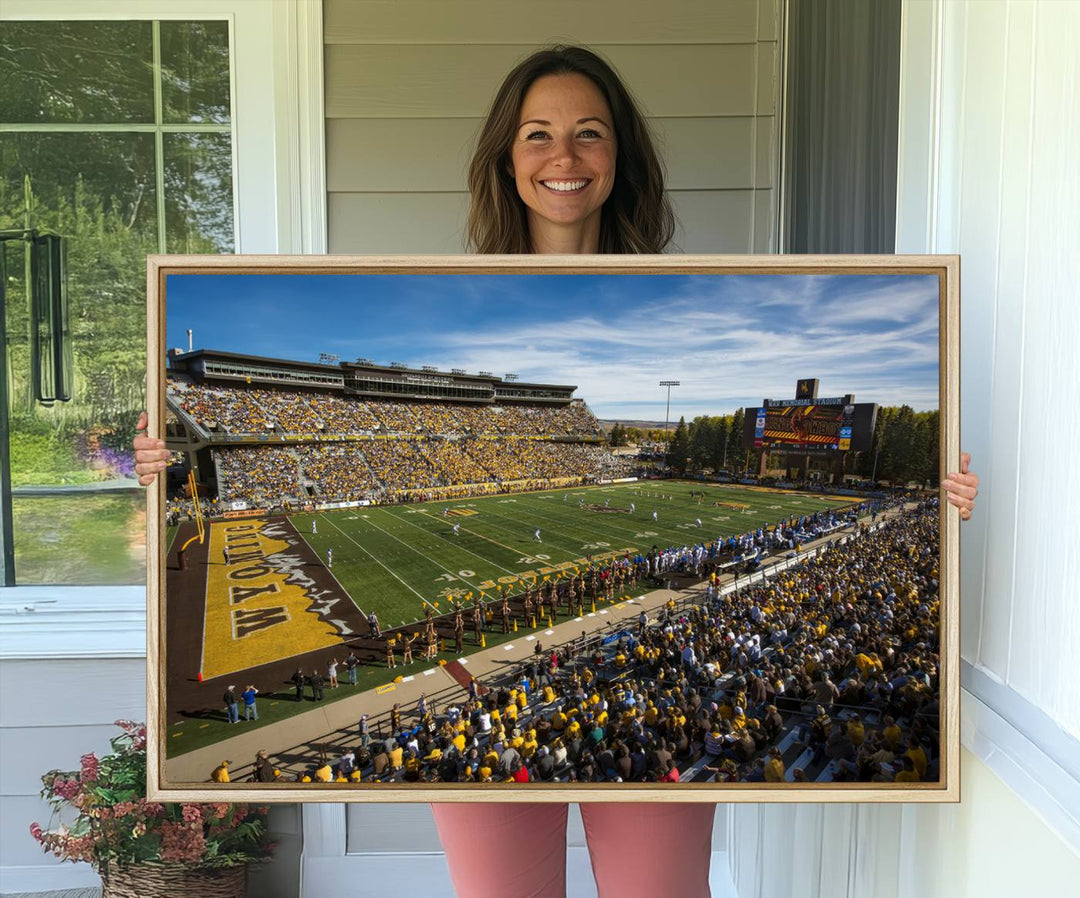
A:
x: 257, y: 405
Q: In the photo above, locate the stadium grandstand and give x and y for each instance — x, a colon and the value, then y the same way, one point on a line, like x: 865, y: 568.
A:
x: 263, y: 433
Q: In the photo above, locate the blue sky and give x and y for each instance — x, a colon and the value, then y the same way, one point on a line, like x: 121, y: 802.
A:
x: 731, y: 340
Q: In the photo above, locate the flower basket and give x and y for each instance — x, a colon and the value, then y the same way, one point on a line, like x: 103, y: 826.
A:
x: 148, y: 849
x: 173, y: 880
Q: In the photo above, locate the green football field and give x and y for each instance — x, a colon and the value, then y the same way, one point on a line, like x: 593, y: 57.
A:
x: 394, y: 559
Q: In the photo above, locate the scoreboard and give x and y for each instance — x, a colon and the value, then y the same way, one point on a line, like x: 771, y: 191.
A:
x: 807, y: 424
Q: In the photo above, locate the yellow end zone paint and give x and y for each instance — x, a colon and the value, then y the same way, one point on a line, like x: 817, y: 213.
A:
x: 253, y: 614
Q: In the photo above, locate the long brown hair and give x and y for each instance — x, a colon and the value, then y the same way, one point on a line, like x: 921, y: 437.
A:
x: 637, y: 216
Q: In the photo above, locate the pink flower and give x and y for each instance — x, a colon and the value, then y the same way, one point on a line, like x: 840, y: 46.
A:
x: 123, y: 808
x: 181, y: 842
x: 192, y: 813
x: 65, y: 788
x: 89, y: 768
x: 37, y: 832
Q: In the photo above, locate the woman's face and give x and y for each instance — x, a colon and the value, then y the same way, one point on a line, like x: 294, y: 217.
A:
x: 563, y: 155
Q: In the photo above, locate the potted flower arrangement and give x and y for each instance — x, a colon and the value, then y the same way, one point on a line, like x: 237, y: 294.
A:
x: 143, y: 848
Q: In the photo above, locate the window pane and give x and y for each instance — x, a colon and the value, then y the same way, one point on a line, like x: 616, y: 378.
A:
x: 195, y: 71
x: 78, y: 515
x: 82, y: 540
x: 76, y: 72
x: 98, y: 191
x: 198, y: 193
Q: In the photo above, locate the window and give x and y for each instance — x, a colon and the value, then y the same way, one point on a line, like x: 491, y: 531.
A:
x: 118, y: 136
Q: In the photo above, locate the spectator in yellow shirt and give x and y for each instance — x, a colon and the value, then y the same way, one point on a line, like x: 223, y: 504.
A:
x: 909, y: 774
x: 774, y: 766
x: 917, y: 755
x: 396, y: 757
x: 856, y: 731
x: 891, y: 734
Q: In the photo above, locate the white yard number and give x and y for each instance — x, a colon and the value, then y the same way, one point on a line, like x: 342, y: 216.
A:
x: 596, y: 546
x: 465, y: 575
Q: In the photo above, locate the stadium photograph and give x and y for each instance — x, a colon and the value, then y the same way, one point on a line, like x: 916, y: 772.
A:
x: 523, y: 532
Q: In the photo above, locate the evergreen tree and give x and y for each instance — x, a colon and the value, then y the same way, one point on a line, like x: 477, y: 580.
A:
x: 721, y: 443
x: 702, y: 437
x: 679, y: 447
x: 736, y: 452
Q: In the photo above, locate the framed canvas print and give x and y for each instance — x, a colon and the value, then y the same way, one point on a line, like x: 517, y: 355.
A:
x: 553, y: 529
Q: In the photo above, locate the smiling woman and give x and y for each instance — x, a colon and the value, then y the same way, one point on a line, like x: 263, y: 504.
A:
x: 563, y: 162
x: 562, y: 117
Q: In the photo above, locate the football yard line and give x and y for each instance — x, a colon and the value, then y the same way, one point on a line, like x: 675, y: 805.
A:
x: 574, y: 553
x: 426, y: 558
x: 458, y: 547
x: 585, y: 532
x: 330, y: 571
x: 373, y: 558
x: 486, y: 539
x: 597, y: 527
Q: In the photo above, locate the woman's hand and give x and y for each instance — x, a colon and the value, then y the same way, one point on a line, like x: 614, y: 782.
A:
x: 962, y: 487
x: 151, y: 456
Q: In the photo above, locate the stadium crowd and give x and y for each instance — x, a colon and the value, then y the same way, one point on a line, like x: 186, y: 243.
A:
x: 249, y: 410
x: 826, y: 671
x: 259, y: 475
x: 336, y: 471
x: 393, y: 469
x: 387, y: 450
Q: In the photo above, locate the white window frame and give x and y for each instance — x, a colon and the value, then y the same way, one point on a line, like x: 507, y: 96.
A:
x: 276, y: 53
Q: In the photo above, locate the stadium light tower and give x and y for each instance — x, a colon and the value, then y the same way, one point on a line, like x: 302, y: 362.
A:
x: 667, y: 414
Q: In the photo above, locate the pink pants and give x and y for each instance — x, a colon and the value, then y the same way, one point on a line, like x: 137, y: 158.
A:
x: 519, y: 850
